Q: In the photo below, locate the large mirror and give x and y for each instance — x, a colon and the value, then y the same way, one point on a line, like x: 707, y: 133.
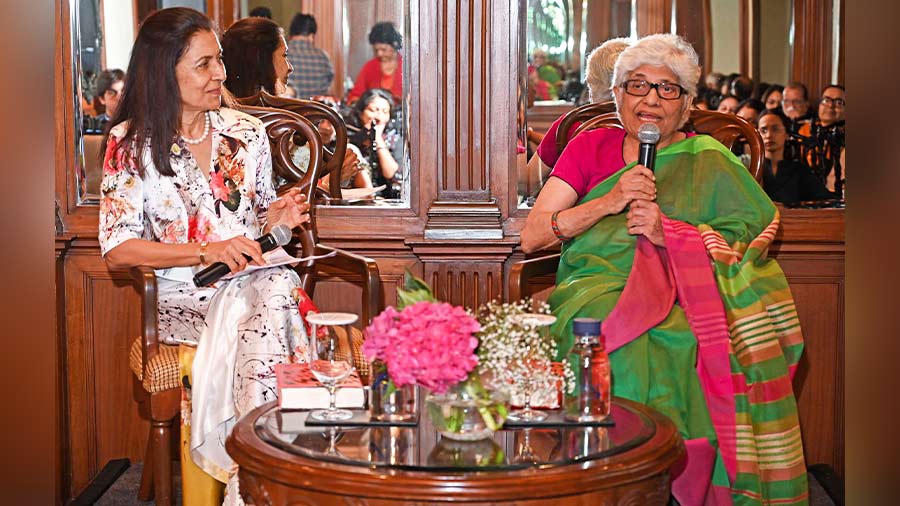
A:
x: 103, y: 32
x: 559, y: 34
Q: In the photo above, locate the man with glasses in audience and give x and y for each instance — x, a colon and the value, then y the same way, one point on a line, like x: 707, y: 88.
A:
x: 795, y: 102
x: 824, y: 138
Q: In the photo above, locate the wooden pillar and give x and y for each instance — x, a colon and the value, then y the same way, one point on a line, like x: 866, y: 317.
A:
x: 749, y: 38
x: 464, y: 206
x: 223, y: 12
x: 654, y: 16
x: 597, y: 23
x: 811, y: 62
x: 693, y: 22
x: 576, y: 59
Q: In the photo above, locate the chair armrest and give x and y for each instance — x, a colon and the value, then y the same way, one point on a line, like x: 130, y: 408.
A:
x: 144, y: 280
x: 365, y: 267
x: 521, y: 273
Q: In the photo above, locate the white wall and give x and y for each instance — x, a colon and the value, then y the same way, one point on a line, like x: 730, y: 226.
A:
x: 726, y: 32
x: 118, y: 29
x: 775, y: 41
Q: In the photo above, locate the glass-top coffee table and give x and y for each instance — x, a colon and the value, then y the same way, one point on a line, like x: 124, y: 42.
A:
x: 284, y: 461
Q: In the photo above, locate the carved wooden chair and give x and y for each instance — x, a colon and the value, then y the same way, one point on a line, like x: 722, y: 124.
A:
x: 156, y: 365
x: 314, y: 111
x: 526, y: 276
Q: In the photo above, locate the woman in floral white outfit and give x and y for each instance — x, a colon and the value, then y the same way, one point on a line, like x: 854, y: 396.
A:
x: 186, y: 183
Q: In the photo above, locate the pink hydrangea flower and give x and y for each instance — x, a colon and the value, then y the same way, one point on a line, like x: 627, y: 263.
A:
x: 431, y: 344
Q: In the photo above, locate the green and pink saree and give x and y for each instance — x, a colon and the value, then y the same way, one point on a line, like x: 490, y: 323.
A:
x: 703, y: 330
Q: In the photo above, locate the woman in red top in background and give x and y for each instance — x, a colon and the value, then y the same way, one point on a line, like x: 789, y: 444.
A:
x: 386, y: 69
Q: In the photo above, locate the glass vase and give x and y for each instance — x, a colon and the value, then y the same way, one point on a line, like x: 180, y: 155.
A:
x: 388, y: 402
x: 468, y: 411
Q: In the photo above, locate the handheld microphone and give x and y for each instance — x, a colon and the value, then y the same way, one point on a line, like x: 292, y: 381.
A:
x: 279, y: 236
x: 648, y: 134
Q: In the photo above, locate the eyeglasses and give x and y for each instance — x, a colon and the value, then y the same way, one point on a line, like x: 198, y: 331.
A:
x: 641, y: 88
x: 793, y: 101
x: 833, y: 102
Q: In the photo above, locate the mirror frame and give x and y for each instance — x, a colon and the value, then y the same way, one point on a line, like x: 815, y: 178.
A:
x: 78, y: 217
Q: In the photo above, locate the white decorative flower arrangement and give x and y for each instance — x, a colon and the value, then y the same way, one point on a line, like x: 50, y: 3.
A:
x: 515, y: 349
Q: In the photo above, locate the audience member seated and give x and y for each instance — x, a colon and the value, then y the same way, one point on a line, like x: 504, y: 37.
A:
x: 742, y: 87
x: 572, y: 87
x: 824, y: 137
x: 188, y: 186
x: 785, y: 180
x: 313, y: 71
x: 728, y: 104
x: 714, y: 80
x: 795, y: 102
x: 254, y: 54
x: 261, y: 12
x: 631, y: 244
x: 377, y: 135
x: 548, y: 70
x: 772, y: 96
x: 385, y: 70
x: 750, y: 109
x: 542, y: 89
x: 107, y: 95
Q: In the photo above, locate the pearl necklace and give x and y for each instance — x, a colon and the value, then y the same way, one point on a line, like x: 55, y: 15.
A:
x: 202, y: 137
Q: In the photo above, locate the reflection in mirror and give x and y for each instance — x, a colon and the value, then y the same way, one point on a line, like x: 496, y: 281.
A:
x: 102, y: 36
x: 103, y: 33
x: 349, y: 54
x: 559, y: 34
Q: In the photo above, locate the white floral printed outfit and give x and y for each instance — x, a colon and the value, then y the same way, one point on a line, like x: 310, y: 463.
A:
x: 242, y: 327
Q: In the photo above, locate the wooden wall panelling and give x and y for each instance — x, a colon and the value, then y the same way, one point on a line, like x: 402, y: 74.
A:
x: 653, y: 16
x: 597, y: 24
x: 103, y: 418
x: 466, y: 273
x: 749, y: 38
x: 692, y: 21
x: 811, y: 59
x: 222, y: 12
x: 817, y: 284
x: 463, y: 207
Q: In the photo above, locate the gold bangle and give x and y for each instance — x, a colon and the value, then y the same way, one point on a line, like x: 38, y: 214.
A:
x: 203, y: 246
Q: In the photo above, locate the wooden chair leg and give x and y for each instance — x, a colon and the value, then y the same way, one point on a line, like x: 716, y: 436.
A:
x: 161, y: 436
x: 145, y: 493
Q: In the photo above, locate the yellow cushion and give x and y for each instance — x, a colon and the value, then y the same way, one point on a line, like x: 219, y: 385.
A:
x: 162, y: 370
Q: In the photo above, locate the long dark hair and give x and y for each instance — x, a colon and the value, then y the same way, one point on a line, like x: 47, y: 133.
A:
x: 247, y: 47
x: 151, y: 100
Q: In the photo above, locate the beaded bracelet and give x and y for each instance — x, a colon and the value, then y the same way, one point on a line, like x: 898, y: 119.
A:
x: 554, y: 224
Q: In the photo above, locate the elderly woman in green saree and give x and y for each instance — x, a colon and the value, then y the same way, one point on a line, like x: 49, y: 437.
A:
x: 699, y: 324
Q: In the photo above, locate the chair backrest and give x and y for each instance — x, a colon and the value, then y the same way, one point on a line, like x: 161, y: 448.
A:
x: 313, y: 111
x: 728, y: 129
x: 282, y: 126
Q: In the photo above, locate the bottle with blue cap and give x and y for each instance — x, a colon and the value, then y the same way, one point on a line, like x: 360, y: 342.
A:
x: 590, y: 400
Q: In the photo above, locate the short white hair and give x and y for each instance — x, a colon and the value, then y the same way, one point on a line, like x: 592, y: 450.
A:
x: 661, y: 50
x: 600, y: 65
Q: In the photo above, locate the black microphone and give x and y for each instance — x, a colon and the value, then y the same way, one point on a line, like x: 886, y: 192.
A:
x: 648, y: 134
x: 279, y: 236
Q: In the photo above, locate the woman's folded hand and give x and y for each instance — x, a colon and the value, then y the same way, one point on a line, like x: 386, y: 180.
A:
x: 291, y: 210
x: 645, y: 218
x: 636, y: 183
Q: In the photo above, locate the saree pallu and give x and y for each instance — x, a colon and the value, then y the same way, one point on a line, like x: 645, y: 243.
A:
x: 704, y: 330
